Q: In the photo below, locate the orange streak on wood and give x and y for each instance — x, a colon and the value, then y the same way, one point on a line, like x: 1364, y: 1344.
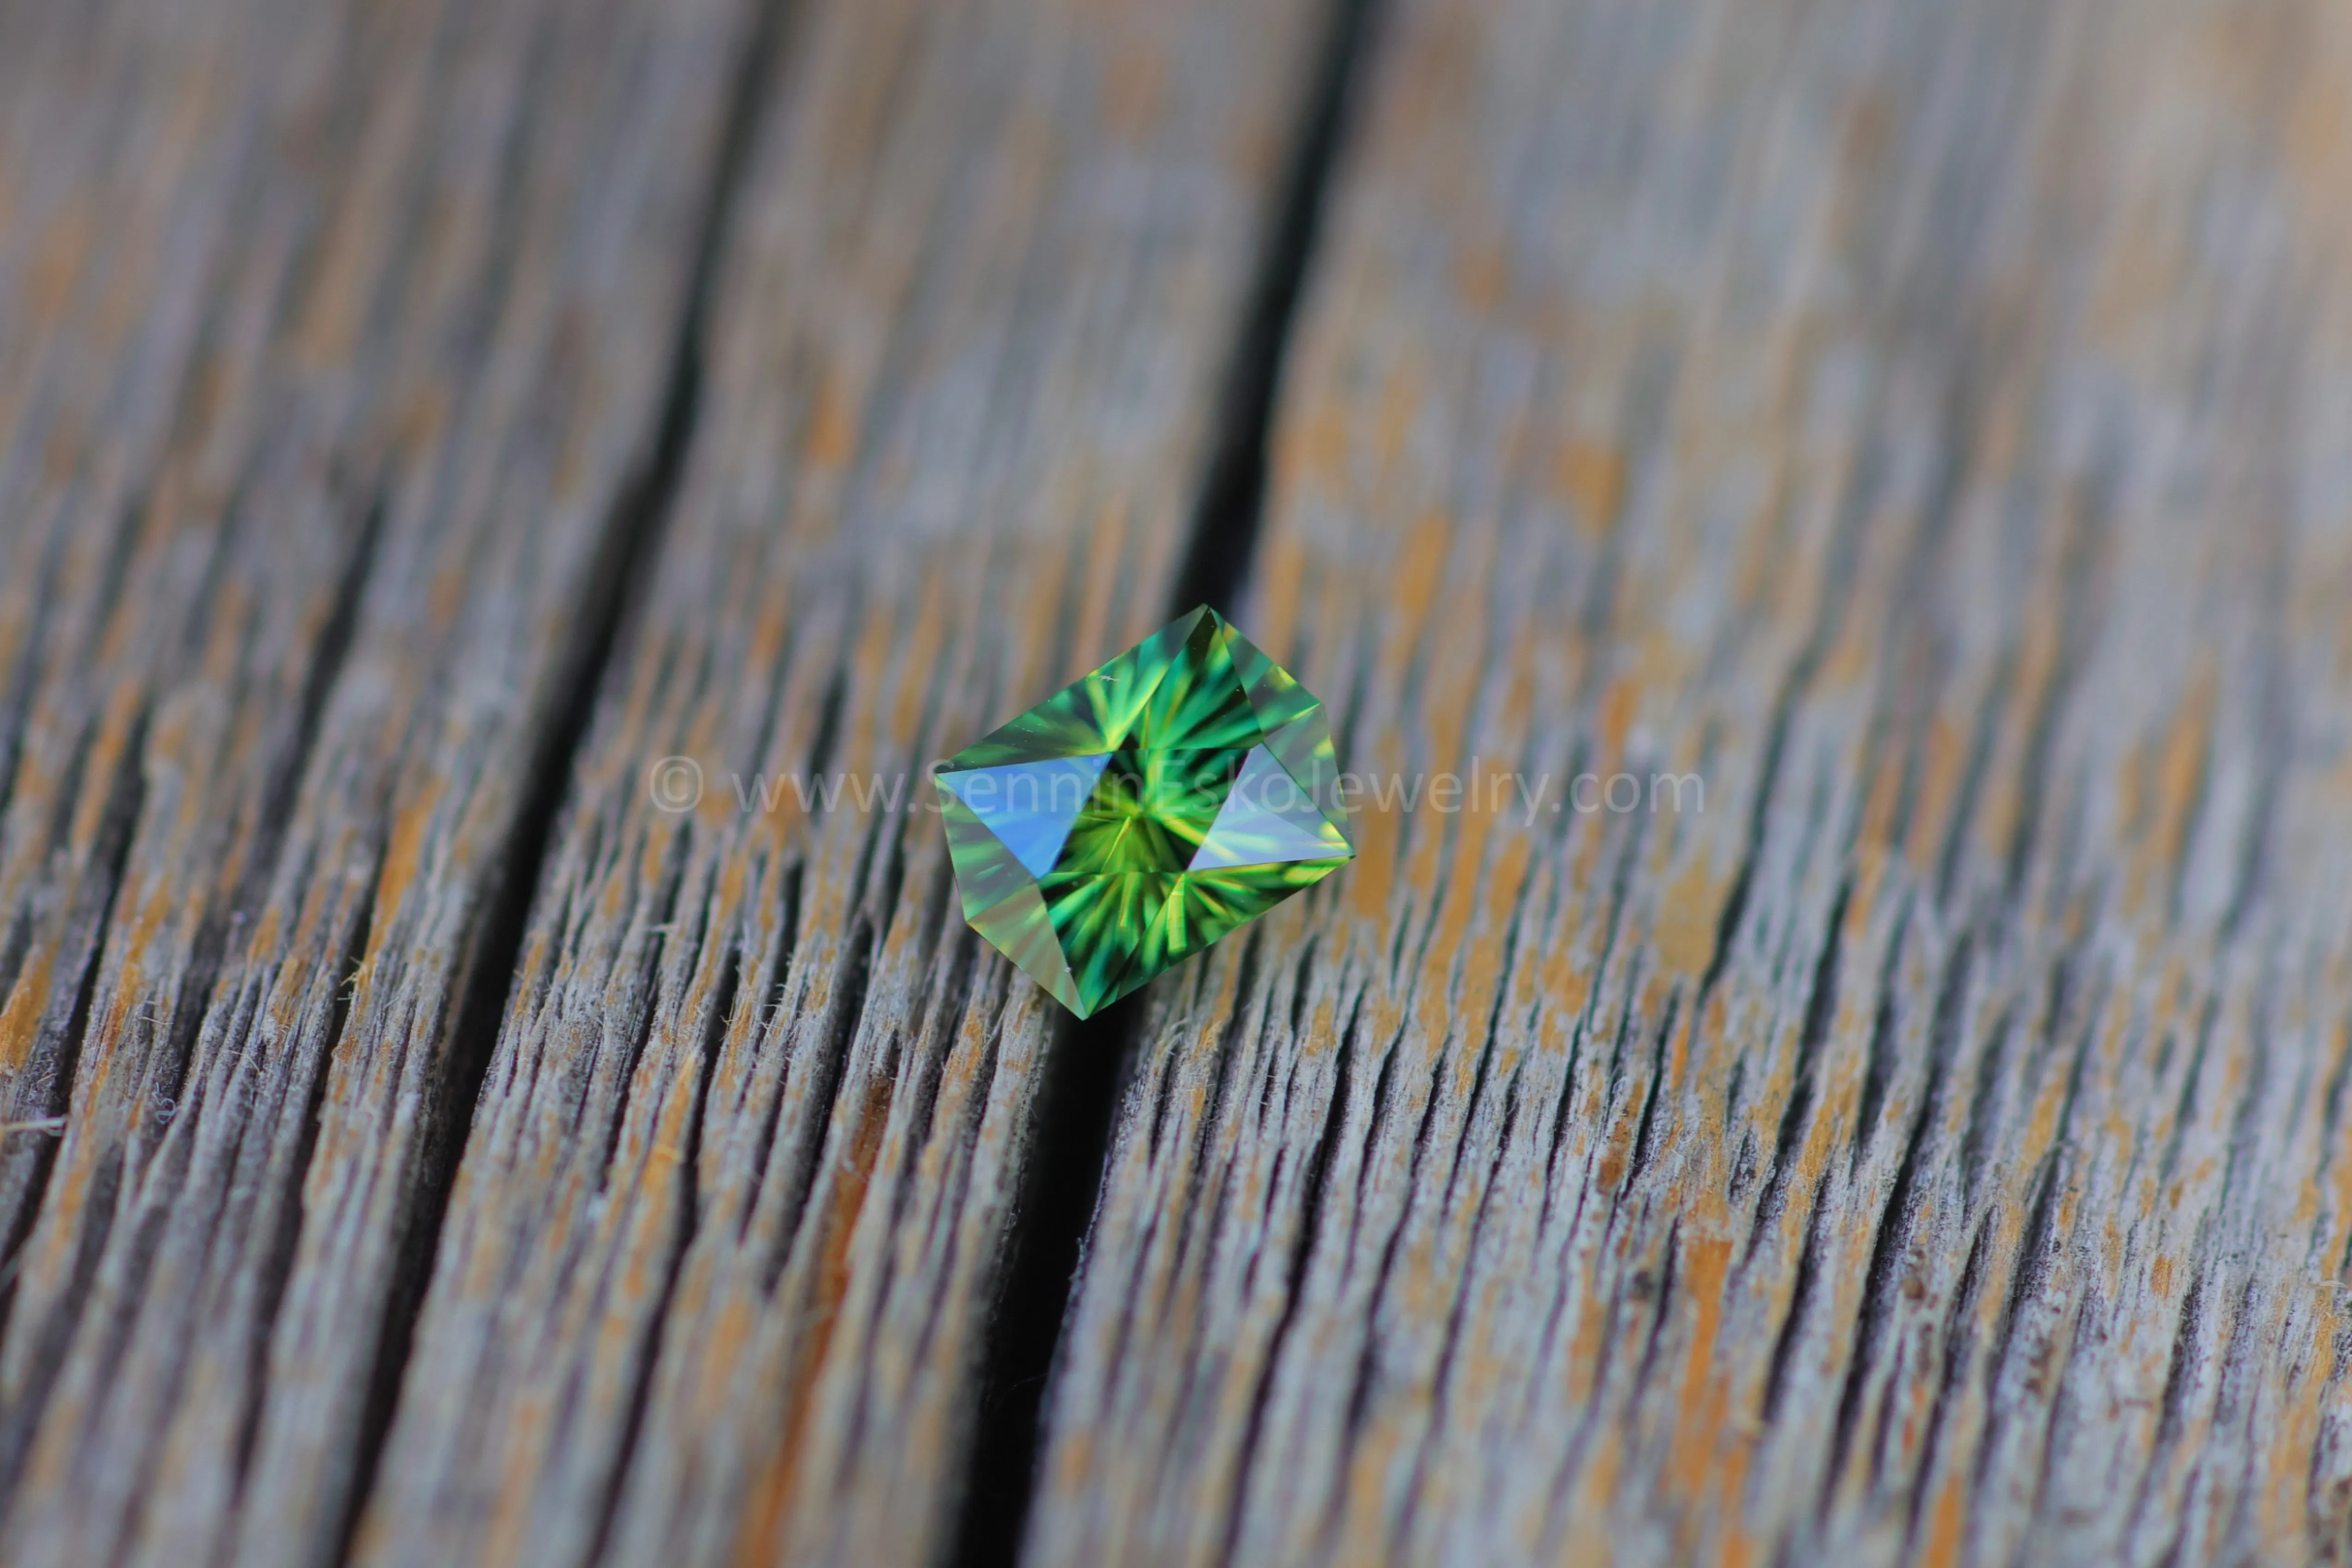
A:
x: 1276, y: 605
x: 1480, y: 277
x: 1313, y: 445
x: 922, y: 656
x: 403, y: 854
x: 833, y: 424
x: 1375, y: 826
x: 1947, y: 1518
x: 1105, y: 564
x: 20, y: 1019
x: 1419, y: 573
x: 1030, y: 672
x: 2285, y: 1499
x: 1135, y: 94
x: 2179, y: 767
x: 107, y: 756
x: 761, y: 1542
x: 1401, y: 399
x: 1588, y: 1541
x: 1593, y: 476
x: 1942, y: 757
x: 1687, y: 919
x: 1704, y: 1468
x: 61, y: 260
x: 1617, y: 705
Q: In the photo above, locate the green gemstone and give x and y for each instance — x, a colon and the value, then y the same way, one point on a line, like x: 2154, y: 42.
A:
x: 1134, y: 817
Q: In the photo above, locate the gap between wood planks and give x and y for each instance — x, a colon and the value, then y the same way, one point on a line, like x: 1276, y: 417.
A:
x: 1083, y: 1078
x: 1078, y: 1099
x: 624, y: 565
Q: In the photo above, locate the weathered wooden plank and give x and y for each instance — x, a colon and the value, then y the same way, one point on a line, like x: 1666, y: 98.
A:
x: 1920, y: 422
x: 731, y: 1219
x: 350, y: 332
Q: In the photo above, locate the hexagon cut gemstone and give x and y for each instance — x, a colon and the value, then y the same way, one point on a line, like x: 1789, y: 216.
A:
x: 1142, y: 811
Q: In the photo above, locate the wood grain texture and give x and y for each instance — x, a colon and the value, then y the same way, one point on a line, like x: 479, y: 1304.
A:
x: 1904, y: 439
x: 1921, y: 422
x: 348, y: 335
x: 732, y: 1217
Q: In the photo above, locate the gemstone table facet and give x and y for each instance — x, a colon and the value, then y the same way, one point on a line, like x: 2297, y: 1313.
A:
x: 1140, y: 814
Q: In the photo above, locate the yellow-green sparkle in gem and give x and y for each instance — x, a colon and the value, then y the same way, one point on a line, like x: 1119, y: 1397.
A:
x: 1140, y: 814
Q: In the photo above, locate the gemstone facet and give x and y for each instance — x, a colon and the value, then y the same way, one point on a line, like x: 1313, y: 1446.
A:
x: 1140, y: 814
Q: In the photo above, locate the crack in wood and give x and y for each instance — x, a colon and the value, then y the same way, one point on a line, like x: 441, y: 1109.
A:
x: 630, y: 539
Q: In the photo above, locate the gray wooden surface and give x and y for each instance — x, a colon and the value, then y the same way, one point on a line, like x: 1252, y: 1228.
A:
x: 1925, y: 423
x: 474, y: 475
x: 713, y: 1282
x: 351, y: 331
